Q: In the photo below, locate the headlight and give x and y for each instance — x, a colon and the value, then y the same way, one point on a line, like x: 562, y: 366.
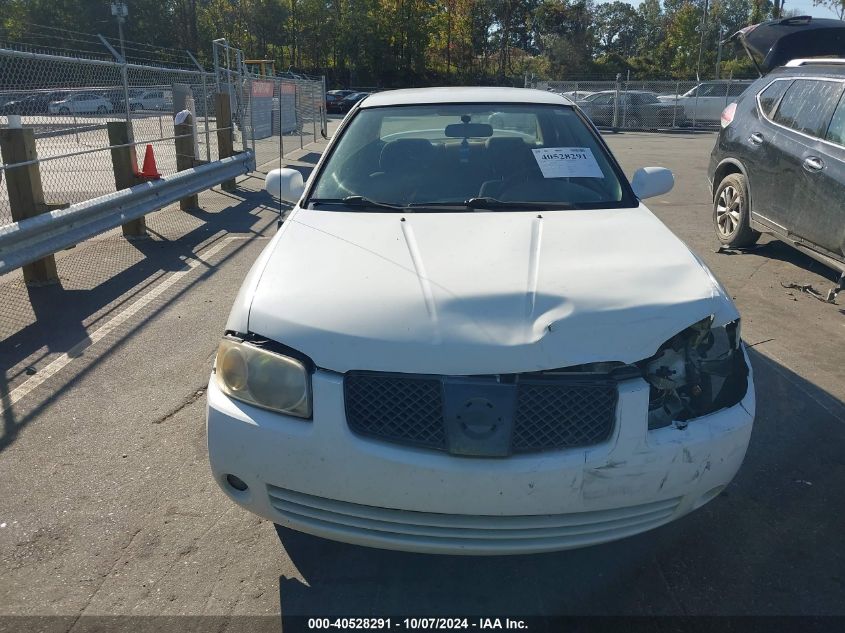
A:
x: 263, y: 378
x: 696, y: 372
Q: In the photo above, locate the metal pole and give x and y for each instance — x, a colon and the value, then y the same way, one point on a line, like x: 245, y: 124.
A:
x: 124, y: 75
x: 701, y: 42
x: 675, y: 109
x: 281, y: 131
x: 313, y: 111
x: 719, y: 51
x: 204, y: 105
x: 214, y: 46
x: 616, y: 102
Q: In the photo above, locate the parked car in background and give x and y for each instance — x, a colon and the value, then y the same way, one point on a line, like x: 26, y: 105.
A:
x: 350, y: 100
x: 37, y: 103
x: 527, y: 390
x: 117, y: 97
x: 333, y: 102
x: 81, y: 103
x: 635, y: 109
x: 705, y: 102
x: 151, y: 100
x: 577, y: 95
x: 778, y: 166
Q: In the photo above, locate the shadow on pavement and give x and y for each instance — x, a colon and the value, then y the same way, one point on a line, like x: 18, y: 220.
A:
x: 780, y: 251
x: 770, y: 544
x: 99, y: 278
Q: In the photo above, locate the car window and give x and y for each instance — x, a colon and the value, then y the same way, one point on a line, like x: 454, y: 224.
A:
x: 836, y: 129
x: 735, y: 90
x: 770, y: 97
x: 403, y: 155
x: 648, y: 98
x: 603, y: 99
x: 808, y: 105
x: 709, y: 90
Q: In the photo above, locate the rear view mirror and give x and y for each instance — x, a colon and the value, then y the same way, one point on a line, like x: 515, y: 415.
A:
x: 469, y: 130
x: 649, y: 182
x: 285, y: 184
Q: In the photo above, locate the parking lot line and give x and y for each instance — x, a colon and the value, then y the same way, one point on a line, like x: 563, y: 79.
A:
x: 121, y: 317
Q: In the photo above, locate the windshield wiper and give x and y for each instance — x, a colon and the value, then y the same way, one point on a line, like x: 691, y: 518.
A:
x: 493, y: 203
x: 360, y: 202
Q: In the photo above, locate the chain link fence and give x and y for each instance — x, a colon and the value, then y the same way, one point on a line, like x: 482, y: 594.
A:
x: 274, y: 115
x: 650, y: 104
x: 68, y: 103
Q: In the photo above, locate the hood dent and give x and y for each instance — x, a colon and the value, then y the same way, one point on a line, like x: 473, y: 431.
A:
x: 478, y: 293
x: 425, y: 283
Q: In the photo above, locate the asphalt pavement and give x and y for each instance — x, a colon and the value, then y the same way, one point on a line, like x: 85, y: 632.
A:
x: 107, y: 506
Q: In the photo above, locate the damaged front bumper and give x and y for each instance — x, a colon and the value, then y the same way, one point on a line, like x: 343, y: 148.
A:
x: 318, y: 477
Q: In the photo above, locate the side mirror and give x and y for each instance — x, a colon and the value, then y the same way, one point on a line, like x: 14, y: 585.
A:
x: 285, y: 184
x: 649, y: 182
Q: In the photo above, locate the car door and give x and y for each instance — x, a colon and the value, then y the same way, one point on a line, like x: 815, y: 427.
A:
x: 600, y: 109
x: 820, y: 194
x: 694, y: 105
x: 756, y: 148
x: 801, y: 120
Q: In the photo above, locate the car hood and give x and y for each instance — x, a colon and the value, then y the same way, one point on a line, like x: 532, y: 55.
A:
x: 476, y: 293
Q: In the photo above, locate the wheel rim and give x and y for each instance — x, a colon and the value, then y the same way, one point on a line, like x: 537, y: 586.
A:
x: 728, y: 211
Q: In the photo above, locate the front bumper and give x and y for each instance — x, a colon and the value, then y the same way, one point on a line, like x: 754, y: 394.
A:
x: 317, y: 477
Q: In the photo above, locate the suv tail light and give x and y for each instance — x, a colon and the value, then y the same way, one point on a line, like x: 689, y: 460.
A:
x: 728, y: 115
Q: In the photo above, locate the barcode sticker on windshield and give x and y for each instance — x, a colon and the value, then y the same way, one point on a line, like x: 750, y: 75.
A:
x: 567, y: 162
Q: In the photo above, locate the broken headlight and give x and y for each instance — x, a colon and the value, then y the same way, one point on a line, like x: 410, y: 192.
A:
x: 696, y: 372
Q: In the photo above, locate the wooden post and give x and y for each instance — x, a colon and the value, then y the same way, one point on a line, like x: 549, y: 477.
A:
x: 26, y: 196
x: 225, y: 133
x: 125, y: 166
x: 185, y: 157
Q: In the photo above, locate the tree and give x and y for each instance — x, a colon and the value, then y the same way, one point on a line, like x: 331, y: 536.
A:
x: 565, y: 36
x: 837, y: 6
x: 617, y: 27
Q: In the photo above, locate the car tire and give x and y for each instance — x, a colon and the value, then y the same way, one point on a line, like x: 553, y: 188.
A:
x: 731, y: 213
x: 633, y: 123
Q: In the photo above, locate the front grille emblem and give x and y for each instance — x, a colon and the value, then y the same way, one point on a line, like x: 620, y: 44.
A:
x: 479, y: 416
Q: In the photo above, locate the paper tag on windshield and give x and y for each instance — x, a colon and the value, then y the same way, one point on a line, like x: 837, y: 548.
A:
x: 567, y: 162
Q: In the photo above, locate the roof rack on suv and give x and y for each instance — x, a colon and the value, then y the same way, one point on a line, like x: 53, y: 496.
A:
x: 817, y: 60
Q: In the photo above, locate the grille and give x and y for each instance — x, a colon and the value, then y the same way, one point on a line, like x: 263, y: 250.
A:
x: 467, y: 534
x: 400, y: 409
x: 550, y: 416
x: 550, y: 413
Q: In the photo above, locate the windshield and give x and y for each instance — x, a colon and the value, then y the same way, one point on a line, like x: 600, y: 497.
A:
x: 448, y: 154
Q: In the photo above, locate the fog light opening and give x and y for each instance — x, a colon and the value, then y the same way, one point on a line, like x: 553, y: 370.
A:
x: 236, y: 482
x: 709, y: 496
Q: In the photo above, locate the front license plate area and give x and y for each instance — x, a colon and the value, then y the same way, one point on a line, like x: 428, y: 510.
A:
x: 478, y: 416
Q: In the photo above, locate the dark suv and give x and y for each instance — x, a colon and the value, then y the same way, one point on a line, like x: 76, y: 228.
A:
x: 779, y: 163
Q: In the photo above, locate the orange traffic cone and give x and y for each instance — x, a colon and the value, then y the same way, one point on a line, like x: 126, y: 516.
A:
x: 149, y: 171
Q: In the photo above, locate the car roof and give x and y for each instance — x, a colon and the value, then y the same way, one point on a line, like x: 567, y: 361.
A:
x: 471, y: 94
x: 622, y: 92
x: 817, y: 68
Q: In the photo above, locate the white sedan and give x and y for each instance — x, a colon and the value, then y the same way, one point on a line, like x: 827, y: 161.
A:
x: 81, y: 103
x: 476, y: 341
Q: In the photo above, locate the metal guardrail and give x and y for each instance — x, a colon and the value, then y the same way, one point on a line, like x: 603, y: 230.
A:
x: 31, y: 239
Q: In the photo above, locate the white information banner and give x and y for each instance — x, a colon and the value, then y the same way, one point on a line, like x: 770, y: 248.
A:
x: 567, y: 162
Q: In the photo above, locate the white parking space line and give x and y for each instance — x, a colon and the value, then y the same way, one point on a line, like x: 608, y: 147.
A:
x: 121, y: 317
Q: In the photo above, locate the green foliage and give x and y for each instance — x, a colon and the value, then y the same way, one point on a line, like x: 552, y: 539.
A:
x: 391, y: 43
